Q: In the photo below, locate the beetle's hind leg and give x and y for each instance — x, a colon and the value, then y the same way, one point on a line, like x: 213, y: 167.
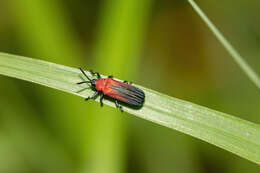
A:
x: 93, y: 96
x: 119, y: 106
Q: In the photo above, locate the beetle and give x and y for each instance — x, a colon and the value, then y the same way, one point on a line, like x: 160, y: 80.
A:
x: 119, y: 91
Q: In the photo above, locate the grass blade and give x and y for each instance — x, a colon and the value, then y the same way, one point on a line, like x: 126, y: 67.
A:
x: 228, y: 132
x: 251, y: 74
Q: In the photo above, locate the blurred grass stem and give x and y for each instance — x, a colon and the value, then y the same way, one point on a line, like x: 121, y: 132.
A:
x: 251, y: 74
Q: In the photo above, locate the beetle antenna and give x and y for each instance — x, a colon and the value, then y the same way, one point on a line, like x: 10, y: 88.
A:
x: 84, y: 74
x: 83, y: 82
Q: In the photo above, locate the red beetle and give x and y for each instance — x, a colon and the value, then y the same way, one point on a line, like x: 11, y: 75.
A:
x: 117, y: 90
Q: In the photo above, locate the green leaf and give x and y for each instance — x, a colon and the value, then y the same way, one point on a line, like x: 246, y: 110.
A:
x: 228, y: 132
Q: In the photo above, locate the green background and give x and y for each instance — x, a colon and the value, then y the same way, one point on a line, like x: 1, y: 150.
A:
x: 162, y: 45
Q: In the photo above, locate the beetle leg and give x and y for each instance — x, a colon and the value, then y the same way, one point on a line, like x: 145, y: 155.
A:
x: 101, y: 99
x: 93, y: 96
x: 127, y: 82
x: 98, y: 75
x: 119, y: 106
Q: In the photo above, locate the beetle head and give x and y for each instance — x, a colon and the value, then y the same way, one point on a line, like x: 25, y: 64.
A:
x: 89, y: 81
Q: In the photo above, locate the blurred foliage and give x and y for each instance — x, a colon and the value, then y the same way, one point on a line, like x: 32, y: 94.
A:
x: 162, y: 45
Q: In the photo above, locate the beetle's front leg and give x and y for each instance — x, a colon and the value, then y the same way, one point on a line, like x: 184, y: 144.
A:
x: 93, y: 96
